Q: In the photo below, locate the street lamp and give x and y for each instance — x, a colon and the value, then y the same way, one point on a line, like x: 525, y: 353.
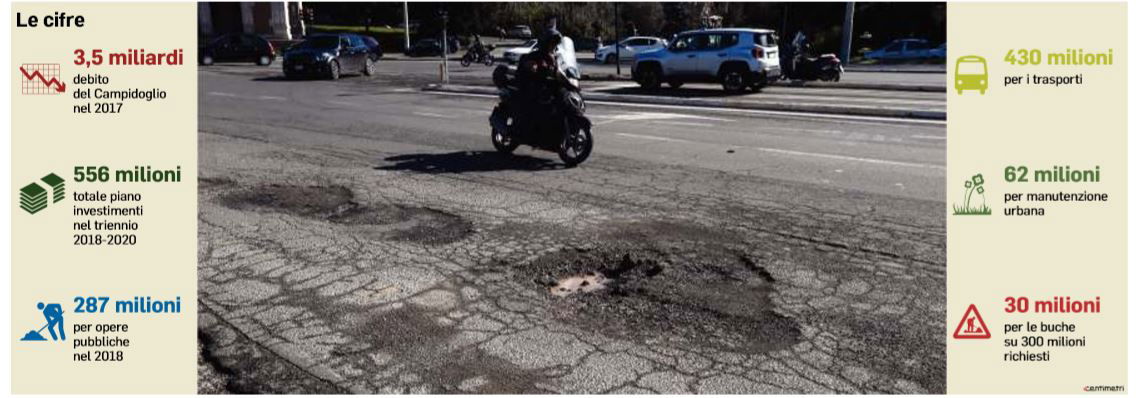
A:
x: 445, y: 47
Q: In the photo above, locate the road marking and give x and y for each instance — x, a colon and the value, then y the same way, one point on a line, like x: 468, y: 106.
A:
x: 651, y: 137
x: 657, y: 117
x: 271, y: 98
x: 220, y: 94
x: 796, y: 153
x: 877, y: 120
x: 929, y: 137
x: 684, y: 124
x: 428, y: 114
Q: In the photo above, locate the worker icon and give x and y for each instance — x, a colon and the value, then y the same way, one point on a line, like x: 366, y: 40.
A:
x: 54, y: 315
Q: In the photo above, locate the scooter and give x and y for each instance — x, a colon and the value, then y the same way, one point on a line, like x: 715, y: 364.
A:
x: 799, y: 66
x: 551, y: 120
x: 485, y: 57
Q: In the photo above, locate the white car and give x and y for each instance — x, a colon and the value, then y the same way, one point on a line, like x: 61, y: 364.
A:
x: 736, y: 57
x: 513, y: 55
x: 628, y: 48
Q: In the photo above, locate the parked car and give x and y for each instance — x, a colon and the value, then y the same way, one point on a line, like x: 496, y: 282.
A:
x: 628, y: 48
x: 238, y: 47
x: 330, y: 55
x: 901, y: 49
x: 373, y: 45
x: 431, y: 47
x: 735, y: 57
x: 513, y: 55
x: 425, y: 48
x: 519, y: 32
x: 938, y: 52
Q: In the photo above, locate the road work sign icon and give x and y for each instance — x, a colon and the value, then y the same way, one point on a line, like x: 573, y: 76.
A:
x: 972, y: 326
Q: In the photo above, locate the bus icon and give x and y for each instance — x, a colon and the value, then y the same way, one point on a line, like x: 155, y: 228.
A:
x: 970, y: 74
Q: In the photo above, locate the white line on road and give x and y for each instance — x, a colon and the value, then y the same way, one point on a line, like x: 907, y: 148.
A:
x: 651, y: 137
x: 428, y: 114
x: 271, y: 98
x: 846, y: 118
x: 929, y: 137
x: 799, y: 153
x: 683, y: 124
x: 220, y: 94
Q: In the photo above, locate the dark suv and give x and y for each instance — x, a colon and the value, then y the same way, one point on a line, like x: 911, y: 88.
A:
x: 238, y: 47
x: 330, y: 55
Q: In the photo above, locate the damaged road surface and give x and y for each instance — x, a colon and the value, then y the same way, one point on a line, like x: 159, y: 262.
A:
x: 359, y: 238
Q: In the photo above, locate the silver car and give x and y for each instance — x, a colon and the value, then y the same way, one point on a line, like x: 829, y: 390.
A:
x: 735, y: 57
x: 628, y: 48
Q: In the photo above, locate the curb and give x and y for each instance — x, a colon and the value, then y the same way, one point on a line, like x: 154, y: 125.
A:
x: 867, y: 69
x: 849, y: 86
x: 726, y: 103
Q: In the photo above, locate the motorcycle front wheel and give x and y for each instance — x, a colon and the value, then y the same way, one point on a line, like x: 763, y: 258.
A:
x: 503, y: 142
x: 465, y: 61
x: 577, y: 144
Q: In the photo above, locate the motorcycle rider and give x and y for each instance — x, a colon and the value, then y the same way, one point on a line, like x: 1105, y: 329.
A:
x: 476, y: 47
x: 800, y: 49
x: 536, y: 74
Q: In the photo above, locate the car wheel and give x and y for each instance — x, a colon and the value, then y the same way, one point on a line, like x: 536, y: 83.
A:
x: 675, y: 83
x: 369, y: 67
x: 333, y: 70
x: 264, y: 60
x: 649, y: 78
x: 207, y: 60
x: 609, y: 59
x: 760, y: 83
x: 734, y: 80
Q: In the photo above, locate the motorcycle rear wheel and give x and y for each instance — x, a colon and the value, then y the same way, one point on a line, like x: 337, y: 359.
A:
x: 465, y: 61
x: 577, y: 144
x: 489, y: 60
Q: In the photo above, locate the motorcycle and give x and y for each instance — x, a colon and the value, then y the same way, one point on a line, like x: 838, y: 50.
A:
x: 826, y: 67
x: 551, y: 120
x: 482, y: 57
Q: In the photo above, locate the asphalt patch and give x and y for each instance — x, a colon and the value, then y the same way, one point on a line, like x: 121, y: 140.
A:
x: 336, y: 204
x: 681, y: 296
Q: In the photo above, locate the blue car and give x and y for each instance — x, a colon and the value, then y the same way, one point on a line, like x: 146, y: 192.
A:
x: 901, y: 49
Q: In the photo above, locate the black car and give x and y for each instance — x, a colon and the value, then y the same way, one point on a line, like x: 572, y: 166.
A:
x: 425, y: 48
x: 238, y: 47
x: 330, y: 55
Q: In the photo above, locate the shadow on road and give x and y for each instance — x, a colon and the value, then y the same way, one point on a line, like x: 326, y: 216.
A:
x: 464, y: 162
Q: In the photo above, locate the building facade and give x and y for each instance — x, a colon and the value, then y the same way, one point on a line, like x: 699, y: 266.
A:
x: 281, y: 20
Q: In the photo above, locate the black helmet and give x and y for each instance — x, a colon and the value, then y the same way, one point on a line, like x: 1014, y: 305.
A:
x: 550, y: 39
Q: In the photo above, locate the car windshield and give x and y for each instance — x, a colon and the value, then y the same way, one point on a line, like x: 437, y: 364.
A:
x: 971, y: 68
x: 320, y: 42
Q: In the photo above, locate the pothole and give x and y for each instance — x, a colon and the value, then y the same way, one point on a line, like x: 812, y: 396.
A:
x: 336, y: 204
x: 674, y: 296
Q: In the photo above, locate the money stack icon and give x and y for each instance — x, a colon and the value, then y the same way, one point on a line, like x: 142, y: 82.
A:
x: 33, y: 198
x: 56, y: 184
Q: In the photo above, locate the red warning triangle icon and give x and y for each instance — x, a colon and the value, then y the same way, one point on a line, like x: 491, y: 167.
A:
x: 972, y: 326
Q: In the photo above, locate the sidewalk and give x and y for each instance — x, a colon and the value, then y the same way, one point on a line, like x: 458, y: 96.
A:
x: 753, y: 101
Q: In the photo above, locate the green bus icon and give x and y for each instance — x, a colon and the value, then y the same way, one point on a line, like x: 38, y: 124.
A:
x: 970, y: 74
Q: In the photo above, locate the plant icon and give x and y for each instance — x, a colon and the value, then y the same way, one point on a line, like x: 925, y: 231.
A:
x: 973, y: 185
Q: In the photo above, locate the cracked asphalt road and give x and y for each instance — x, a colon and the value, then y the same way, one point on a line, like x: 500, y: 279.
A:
x: 359, y: 236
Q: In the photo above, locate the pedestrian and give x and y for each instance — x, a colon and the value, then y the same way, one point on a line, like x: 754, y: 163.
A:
x: 54, y: 315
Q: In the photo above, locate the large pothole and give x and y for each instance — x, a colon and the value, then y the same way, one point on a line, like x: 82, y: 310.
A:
x: 336, y: 204
x: 681, y: 297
